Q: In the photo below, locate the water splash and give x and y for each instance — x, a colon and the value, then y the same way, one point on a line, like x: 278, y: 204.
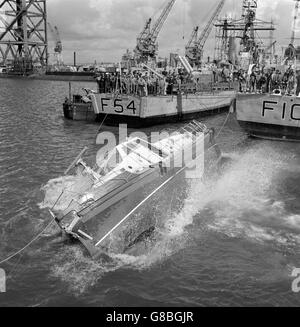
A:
x: 60, y: 192
x: 244, y: 203
x: 81, y: 272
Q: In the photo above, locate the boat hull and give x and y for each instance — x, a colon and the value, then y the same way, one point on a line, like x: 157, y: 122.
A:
x: 154, y: 193
x: 79, y: 111
x: 152, y: 110
x: 269, y: 116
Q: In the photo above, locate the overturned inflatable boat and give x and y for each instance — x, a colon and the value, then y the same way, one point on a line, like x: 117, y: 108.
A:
x: 101, y: 202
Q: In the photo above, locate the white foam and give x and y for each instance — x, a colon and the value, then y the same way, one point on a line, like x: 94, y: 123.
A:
x: 243, y: 204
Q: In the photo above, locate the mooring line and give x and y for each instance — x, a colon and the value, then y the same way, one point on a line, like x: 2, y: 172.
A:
x: 102, y: 124
x: 37, y: 237
x: 225, y: 122
x: 28, y: 244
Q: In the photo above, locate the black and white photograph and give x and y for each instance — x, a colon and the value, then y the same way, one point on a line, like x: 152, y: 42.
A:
x: 149, y: 156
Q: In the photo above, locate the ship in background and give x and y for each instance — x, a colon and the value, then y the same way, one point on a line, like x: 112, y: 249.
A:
x: 201, y: 94
x: 273, y: 113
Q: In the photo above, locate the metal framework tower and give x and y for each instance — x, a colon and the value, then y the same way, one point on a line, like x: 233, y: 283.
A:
x: 245, y: 29
x: 23, y: 34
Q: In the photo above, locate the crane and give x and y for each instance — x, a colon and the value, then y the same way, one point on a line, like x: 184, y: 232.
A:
x: 147, y: 40
x: 290, y: 52
x: 192, y: 40
x: 194, y: 49
x: 295, y: 22
x: 58, y: 45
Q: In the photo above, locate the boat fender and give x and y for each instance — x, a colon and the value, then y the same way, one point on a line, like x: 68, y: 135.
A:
x: 212, y: 134
x: 232, y: 108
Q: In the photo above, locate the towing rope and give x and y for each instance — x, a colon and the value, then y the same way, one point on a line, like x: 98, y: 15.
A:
x: 28, y: 244
x: 37, y: 237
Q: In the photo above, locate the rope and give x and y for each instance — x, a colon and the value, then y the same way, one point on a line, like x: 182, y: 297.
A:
x: 225, y: 122
x: 223, y: 126
x: 101, y: 124
x: 28, y: 244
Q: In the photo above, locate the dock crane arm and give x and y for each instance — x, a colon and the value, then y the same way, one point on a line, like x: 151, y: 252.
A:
x: 295, y: 22
x: 145, y: 32
x: 290, y: 51
x: 58, y: 40
x: 161, y: 20
x: 193, y: 37
x: 146, y: 41
x: 208, y: 28
x: 195, y: 52
x: 55, y: 33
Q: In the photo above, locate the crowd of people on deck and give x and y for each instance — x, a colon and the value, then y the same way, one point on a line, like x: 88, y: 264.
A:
x: 143, y: 83
x: 269, y: 80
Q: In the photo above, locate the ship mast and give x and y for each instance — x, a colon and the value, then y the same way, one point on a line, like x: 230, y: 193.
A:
x: 245, y: 29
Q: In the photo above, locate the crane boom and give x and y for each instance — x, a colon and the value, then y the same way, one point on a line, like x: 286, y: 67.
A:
x: 208, y: 28
x: 147, y: 40
x: 58, y: 40
x: 194, y: 50
x: 161, y: 20
x: 146, y: 30
x: 295, y: 22
x: 193, y: 37
x: 58, y: 44
x: 51, y: 28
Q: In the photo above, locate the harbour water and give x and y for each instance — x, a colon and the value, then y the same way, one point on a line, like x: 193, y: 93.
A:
x: 235, y: 241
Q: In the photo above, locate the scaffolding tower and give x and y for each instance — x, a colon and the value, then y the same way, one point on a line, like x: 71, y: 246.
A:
x: 23, y: 35
x: 248, y: 30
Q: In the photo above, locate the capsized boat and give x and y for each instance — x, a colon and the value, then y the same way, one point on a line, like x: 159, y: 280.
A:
x: 94, y: 204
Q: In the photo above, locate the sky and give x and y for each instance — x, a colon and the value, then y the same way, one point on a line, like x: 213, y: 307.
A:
x: 102, y: 30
